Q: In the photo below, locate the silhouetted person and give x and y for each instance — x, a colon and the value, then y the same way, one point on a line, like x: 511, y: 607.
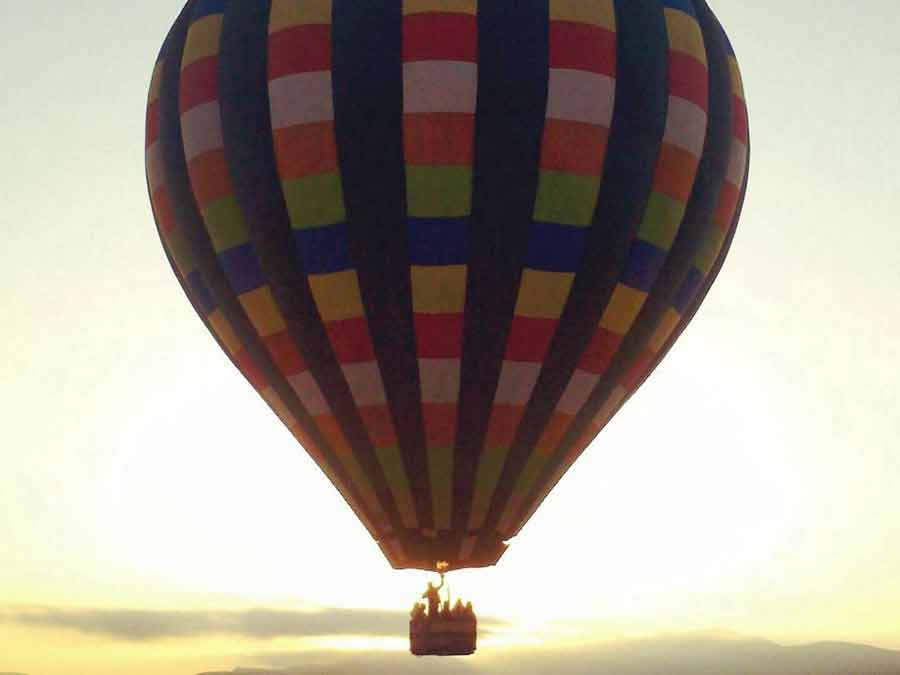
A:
x: 433, y: 597
x: 418, y: 611
x: 458, y: 609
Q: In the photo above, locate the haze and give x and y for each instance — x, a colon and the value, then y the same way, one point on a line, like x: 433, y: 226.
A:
x: 155, y: 517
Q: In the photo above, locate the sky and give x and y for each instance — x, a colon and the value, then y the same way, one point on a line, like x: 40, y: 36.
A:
x: 749, y: 487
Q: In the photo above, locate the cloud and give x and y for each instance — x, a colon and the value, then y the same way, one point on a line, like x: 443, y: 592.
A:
x: 370, y: 663
x: 683, y: 655
x: 145, y: 625
x: 695, y: 654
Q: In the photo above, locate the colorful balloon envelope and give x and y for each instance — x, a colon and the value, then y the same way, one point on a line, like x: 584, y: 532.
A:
x: 445, y: 240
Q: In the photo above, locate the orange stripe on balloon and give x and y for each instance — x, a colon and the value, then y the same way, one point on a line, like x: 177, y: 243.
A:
x: 210, y: 177
x: 438, y: 138
x: 675, y: 172
x: 305, y: 150
x: 574, y: 147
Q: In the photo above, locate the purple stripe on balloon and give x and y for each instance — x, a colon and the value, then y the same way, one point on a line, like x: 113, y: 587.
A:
x: 364, y: 380
x: 517, y: 380
x: 737, y: 162
x: 580, y: 96
x: 301, y: 99
x: 577, y: 392
x: 439, y: 379
x: 685, y: 125
x: 155, y: 171
x: 309, y: 393
x: 201, y: 129
x: 439, y: 86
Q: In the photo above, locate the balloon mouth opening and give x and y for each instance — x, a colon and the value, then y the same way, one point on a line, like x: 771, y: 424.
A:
x: 442, y: 551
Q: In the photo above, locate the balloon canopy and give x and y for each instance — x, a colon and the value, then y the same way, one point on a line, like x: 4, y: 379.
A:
x: 445, y: 240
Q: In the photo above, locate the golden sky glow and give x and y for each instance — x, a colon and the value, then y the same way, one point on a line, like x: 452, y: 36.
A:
x: 750, y: 486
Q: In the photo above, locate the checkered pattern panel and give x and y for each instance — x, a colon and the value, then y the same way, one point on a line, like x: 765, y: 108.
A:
x: 343, y: 189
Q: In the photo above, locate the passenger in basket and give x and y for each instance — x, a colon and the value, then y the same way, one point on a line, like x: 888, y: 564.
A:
x: 434, y: 598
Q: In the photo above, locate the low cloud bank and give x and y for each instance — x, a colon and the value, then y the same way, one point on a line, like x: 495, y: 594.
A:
x: 145, y: 625
x: 689, y: 655
x: 369, y: 663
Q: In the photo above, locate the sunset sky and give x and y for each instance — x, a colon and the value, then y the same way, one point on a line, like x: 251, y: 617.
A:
x: 156, y: 518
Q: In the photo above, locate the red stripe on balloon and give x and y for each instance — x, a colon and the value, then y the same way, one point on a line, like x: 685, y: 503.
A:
x: 152, y: 127
x: 350, y: 340
x: 529, y: 339
x: 301, y: 49
x: 440, y: 36
x: 438, y: 336
x: 580, y: 46
x: 741, y: 125
x: 199, y: 83
x: 251, y: 371
x: 284, y: 353
x: 688, y: 79
x: 600, y: 352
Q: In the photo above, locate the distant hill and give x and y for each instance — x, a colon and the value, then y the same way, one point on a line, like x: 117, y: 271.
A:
x: 733, y: 656
x: 681, y: 655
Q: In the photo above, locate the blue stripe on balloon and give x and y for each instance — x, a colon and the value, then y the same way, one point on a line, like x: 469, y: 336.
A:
x: 367, y: 93
x: 438, y: 241
x: 323, y: 249
x: 513, y: 73
x: 642, y: 265
x: 207, y: 7
x: 636, y: 132
x: 686, y: 6
x: 687, y: 290
x: 200, y: 293
x: 241, y: 268
x: 555, y: 248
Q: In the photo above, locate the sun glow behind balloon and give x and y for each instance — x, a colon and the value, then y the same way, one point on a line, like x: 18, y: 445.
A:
x: 802, y: 323
x: 445, y: 372
x: 209, y: 495
x: 210, y: 492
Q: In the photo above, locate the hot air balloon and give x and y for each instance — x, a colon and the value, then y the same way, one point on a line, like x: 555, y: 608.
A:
x: 446, y: 240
